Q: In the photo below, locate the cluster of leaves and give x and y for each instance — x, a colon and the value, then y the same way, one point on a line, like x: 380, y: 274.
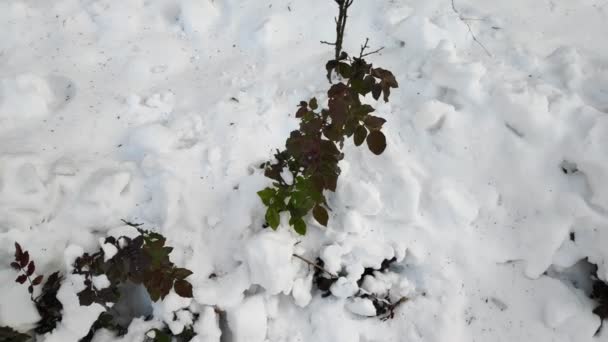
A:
x: 142, y: 260
x: 26, y: 268
x: 385, y: 306
x: 47, y: 304
x: 8, y: 334
x: 309, y: 164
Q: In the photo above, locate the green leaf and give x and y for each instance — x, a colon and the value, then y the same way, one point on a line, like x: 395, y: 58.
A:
x: 183, y: 288
x: 273, y: 218
x: 313, y: 103
x: 345, y: 70
x: 360, y: 135
x: 298, y: 225
x: 320, y: 214
x: 376, y: 141
x: 158, y: 336
x: 267, y: 196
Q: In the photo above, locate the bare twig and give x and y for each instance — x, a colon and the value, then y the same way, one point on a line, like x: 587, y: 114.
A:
x: 465, y: 21
x: 315, y: 266
x: 365, y: 46
x: 393, y: 307
x: 134, y: 225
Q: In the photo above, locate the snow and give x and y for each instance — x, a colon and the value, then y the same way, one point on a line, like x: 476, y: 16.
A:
x: 160, y: 112
x: 248, y: 321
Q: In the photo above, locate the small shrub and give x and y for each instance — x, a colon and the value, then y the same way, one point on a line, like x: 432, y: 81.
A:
x: 143, y: 260
x: 309, y: 164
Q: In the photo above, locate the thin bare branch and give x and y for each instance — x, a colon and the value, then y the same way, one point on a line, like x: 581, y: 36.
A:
x: 315, y: 266
x: 365, y: 47
x: 464, y: 20
x: 328, y: 43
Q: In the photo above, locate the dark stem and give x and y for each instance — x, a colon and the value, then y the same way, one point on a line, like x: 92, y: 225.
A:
x: 316, y: 266
x: 364, y: 47
x: 341, y: 24
x: 31, y: 284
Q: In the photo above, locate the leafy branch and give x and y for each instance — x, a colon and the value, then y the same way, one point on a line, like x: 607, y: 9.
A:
x: 309, y: 164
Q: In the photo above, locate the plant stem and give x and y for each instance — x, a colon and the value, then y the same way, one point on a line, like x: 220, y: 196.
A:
x: 316, y: 266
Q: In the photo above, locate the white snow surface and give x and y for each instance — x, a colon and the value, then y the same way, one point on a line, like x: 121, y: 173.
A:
x: 161, y: 111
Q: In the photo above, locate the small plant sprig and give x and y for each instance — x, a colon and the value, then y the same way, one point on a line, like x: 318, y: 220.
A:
x: 309, y: 164
x: 26, y: 267
x: 47, y: 304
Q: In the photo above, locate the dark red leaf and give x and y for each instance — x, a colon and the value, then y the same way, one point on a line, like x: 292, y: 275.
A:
x: 386, y: 76
x: 37, y: 280
x: 181, y: 273
x: 337, y: 90
x: 360, y: 135
x: 320, y: 214
x: 376, y: 141
x: 374, y: 122
x: 301, y: 112
x: 31, y: 267
x: 21, y: 279
x: 25, y: 258
x: 15, y: 265
x: 18, y: 251
x: 183, y: 288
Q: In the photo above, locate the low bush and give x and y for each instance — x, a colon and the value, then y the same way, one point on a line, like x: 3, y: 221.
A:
x: 142, y: 261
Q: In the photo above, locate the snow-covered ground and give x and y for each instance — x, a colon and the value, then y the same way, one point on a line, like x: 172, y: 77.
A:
x: 161, y: 111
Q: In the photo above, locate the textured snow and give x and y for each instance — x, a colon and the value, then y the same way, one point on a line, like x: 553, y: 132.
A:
x: 160, y: 112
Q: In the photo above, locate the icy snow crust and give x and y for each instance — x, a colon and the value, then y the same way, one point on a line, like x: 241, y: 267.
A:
x: 160, y: 112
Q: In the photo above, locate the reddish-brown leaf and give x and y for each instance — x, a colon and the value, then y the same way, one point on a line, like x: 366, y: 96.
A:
x: 376, y: 141
x: 25, y: 258
x: 18, y: 251
x: 374, y: 122
x: 31, y: 267
x: 15, y: 265
x: 320, y: 214
x: 21, y: 279
x: 301, y: 112
x: 37, y: 280
x: 183, y: 288
x: 360, y: 135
